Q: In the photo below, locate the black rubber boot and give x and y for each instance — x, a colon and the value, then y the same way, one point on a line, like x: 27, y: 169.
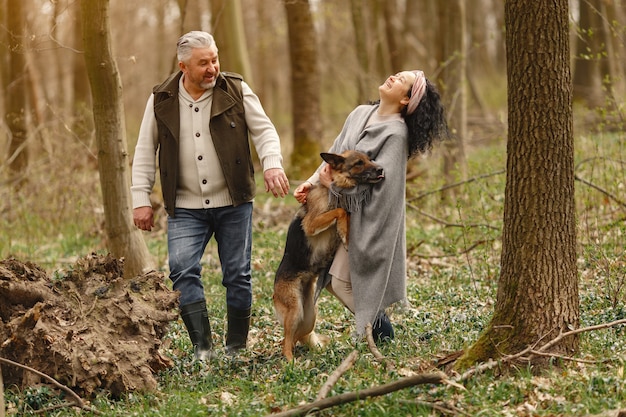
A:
x: 196, y: 319
x: 238, y: 326
x: 382, y: 329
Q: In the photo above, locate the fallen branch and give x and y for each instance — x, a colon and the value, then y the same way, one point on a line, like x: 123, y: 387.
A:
x: 434, y: 378
x: 567, y: 358
x: 561, y: 336
x: 374, y: 349
x: 334, y: 377
x: 371, y: 344
x: 78, y: 402
x: 542, y: 351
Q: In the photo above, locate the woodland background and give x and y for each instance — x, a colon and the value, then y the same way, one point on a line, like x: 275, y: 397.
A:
x: 311, y: 62
x: 345, y: 49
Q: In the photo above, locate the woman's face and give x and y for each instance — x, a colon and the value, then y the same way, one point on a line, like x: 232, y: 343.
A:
x: 396, y: 88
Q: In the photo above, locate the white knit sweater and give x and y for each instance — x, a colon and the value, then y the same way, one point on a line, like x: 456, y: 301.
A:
x: 201, y: 183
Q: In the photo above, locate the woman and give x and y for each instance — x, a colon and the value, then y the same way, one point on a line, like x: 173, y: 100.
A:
x: 405, y: 122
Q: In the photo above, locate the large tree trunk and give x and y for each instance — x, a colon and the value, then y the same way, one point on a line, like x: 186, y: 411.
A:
x: 124, y: 240
x: 538, y: 289
x: 305, y: 88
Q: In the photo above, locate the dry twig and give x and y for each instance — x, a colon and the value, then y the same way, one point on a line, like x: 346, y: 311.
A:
x: 542, y: 351
x: 561, y: 336
x: 374, y: 349
x: 434, y: 378
x: 78, y: 402
x: 372, y: 345
x: 334, y: 377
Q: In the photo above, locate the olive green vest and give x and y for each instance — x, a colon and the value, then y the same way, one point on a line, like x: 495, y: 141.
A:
x: 228, y: 131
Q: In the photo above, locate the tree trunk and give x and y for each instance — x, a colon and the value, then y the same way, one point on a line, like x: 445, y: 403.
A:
x: 82, y: 124
x: 587, y: 79
x: 361, y: 45
x: 124, y: 240
x: 393, y: 34
x: 15, y: 94
x: 227, y: 24
x: 380, y: 47
x: 538, y: 289
x: 305, y: 91
x: 454, y: 92
x: 190, y: 15
x: 613, y: 68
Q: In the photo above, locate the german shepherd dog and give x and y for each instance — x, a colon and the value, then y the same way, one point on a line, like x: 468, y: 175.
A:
x: 313, y: 237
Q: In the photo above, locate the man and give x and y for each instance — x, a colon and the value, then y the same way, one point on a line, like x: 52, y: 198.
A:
x: 199, y: 121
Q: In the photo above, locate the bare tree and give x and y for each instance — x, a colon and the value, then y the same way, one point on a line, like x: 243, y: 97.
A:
x: 537, y: 295
x: 393, y: 33
x: 587, y: 78
x: 380, y: 53
x: 227, y: 24
x: 305, y: 91
x: 15, y: 97
x: 454, y: 91
x: 124, y: 240
x: 360, y: 43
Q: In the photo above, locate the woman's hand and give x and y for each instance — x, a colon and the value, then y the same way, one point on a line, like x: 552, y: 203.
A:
x: 302, y: 191
x: 326, y: 176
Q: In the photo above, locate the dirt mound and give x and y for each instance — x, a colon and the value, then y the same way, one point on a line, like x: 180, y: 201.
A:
x: 89, y: 328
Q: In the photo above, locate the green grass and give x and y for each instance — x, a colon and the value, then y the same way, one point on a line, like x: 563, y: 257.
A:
x: 452, y: 282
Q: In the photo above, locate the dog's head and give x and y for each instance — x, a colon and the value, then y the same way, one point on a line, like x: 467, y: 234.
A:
x: 352, y: 168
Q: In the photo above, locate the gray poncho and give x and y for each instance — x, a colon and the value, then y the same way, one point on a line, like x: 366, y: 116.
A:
x: 377, y: 247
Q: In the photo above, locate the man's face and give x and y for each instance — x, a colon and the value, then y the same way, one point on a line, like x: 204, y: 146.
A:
x: 201, y: 70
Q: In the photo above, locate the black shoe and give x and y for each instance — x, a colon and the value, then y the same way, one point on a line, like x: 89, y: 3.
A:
x: 238, y: 326
x: 196, y: 319
x: 382, y: 329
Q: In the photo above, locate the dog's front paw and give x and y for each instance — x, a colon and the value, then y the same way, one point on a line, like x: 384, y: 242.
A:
x: 315, y: 341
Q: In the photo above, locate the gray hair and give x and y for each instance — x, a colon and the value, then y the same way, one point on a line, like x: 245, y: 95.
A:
x: 192, y: 40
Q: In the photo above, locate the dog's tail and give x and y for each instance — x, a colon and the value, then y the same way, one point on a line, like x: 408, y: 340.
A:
x: 323, y: 279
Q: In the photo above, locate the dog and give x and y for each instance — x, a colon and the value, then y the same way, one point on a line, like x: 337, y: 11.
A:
x: 313, y: 237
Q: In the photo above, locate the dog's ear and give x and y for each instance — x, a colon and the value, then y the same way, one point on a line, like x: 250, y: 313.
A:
x: 333, y: 159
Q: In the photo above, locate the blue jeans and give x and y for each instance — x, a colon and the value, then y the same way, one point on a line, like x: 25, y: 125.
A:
x: 189, y: 233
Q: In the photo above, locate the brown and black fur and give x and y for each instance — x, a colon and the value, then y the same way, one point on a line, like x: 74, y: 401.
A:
x: 313, y: 237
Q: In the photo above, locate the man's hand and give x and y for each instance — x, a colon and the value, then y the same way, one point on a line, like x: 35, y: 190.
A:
x: 143, y: 217
x: 276, y: 181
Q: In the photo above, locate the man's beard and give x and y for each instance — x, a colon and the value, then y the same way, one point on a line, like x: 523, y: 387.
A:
x: 207, y: 86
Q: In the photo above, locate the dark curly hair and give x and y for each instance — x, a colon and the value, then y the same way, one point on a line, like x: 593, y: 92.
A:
x: 427, y: 124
